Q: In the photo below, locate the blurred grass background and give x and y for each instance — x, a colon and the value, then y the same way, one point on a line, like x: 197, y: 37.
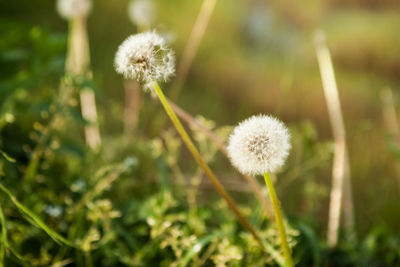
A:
x: 256, y: 57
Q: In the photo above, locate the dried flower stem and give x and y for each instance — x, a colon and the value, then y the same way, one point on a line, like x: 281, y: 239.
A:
x: 192, y: 46
x: 391, y: 121
x: 78, y: 61
x: 132, y: 105
x: 222, y: 147
x: 195, y: 153
x: 341, y: 192
x: 389, y: 114
x: 279, y: 221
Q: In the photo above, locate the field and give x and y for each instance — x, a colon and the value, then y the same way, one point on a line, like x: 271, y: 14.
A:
x: 127, y: 152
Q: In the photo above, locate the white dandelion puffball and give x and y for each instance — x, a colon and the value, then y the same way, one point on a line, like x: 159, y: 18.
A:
x: 69, y: 9
x: 146, y: 58
x: 142, y: 12
x: 259, y: 145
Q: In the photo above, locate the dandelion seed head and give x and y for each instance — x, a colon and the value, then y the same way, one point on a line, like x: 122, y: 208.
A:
x: 145, y: 58
x: 259, y: 144
x: 142, y: 12
x: 69, y: 9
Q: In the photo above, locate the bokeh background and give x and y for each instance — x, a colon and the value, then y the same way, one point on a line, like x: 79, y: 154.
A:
x: 256, y: 57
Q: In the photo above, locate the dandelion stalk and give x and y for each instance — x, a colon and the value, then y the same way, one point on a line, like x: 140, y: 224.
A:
x: 195, y: 153
x: 132, y: 105
x: 389, y: 114
x: 192, y: 46
x: 258, y: 146
x: 142, y: 14
x: 391, y: 121
x: 78, y: 63
x: 222, y: 147
x: 341, y: 193
x: 279, y: 221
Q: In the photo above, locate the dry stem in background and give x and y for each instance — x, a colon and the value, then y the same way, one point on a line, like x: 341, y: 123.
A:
x: 389, y: 114
x: 132, y: 105
x: 192, y: 46
x: 341, y: 196
x: 391, y: 122
x: 222, y: 147
x: 78, y: 64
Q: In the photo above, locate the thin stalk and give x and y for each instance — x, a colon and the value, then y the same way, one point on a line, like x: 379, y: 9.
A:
x: 132, y: 105
x: 192, y: 46
x: 4, y: 240
x: 391, y: 122
x: 279, y: 221
x: 222, y: 147
x: 133, y: 98
x: 389, y: 114
x: 196, y: 155
x: 341, y: 192
x: 78, y: 64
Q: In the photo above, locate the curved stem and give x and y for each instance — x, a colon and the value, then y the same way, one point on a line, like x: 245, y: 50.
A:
x: 195, y: 153
x: 279, y: 221
x: 255, y: 186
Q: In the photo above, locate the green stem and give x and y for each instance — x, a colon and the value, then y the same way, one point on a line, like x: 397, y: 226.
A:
x: 279, y: 221
x: 4, y: 242
x: 195, y: 153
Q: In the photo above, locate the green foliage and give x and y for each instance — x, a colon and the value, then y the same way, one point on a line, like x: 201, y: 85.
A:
x: 141, y: 200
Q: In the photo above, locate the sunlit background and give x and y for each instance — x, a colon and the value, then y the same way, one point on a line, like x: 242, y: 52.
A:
x: 255, y: 57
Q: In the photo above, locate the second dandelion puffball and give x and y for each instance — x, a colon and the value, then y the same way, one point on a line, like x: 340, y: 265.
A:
x: 146, y: 58
x: 142, y: 12
x: 70, y: 9
x: 259, y: 145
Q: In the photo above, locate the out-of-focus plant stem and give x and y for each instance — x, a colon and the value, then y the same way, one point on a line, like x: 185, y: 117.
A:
x: 222, y: 147
x: 195, y: 153
x: 389, y: 114
x: 78, y: 65
x: 132, y: 99
x: 192, y: 46
x: 341, y: 193
x: 132, y: 105
x: 279, y: 221
x: 391, y: 121
x: 4, y: 241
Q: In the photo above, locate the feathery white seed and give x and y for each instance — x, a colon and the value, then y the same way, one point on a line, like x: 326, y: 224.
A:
x: 146, y: 58
x: 142, y: 12
x: 70, y: 9
x: 259, y: 144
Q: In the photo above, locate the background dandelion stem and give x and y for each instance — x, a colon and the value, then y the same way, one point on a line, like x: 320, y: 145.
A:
x: 222, y: 147
x: 192, y: 46
x: 78, y: 65
x: 195, y: 153
x: 341, y: 193
x: 389, y: 114
x: 391, y: 121
x: 132, y: 105
x: 279, y: 221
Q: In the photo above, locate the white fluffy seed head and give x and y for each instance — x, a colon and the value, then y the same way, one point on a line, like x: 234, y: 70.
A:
x: 142, y: 12
x: 70, y: 9
x: 258, y: 145
x: 146, y: 58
